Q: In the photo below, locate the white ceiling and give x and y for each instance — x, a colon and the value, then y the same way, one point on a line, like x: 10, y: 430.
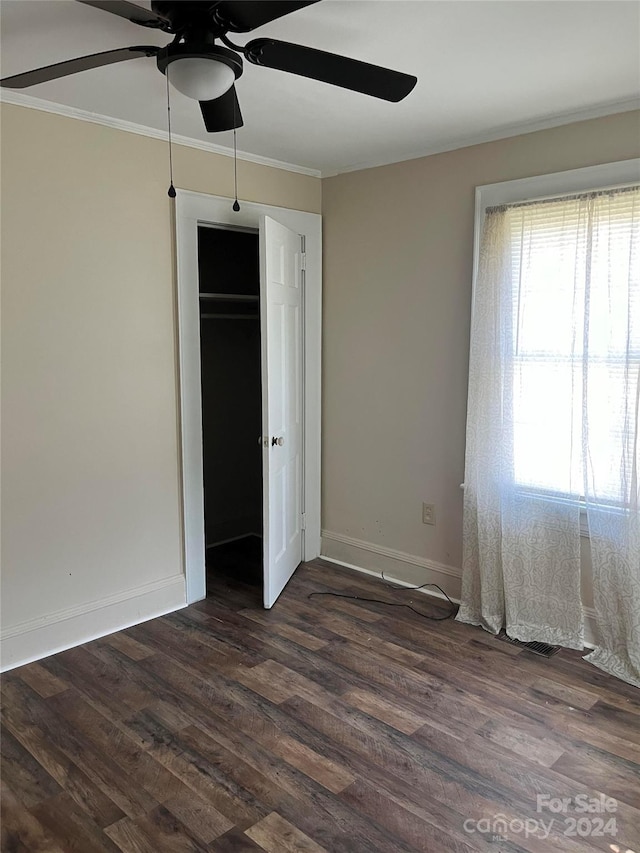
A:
x: 485, y: 68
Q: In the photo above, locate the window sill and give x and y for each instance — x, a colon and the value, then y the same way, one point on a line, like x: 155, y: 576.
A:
x: 584, y: 521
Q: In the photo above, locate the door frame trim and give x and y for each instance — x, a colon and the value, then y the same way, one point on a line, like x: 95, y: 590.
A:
x: 190, y: 209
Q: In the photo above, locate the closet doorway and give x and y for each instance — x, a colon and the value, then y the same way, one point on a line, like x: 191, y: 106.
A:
x: 231, y: 383
x: 269, y: 326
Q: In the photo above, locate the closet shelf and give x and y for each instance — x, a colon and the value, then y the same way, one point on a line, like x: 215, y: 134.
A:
x: 230, y: 297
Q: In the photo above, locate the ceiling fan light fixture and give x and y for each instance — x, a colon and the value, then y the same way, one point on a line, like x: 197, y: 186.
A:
x: 201, y: 74
x: 200, y: 78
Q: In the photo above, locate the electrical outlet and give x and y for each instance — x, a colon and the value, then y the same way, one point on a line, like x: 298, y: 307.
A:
x: 428, y: 513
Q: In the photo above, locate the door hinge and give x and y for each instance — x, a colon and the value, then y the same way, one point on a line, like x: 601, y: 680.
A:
x: 303, y: 526
x: 303, y: 261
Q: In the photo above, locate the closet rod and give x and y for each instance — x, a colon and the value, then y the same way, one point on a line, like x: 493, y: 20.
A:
x: 230, y: 297
x: 229, y: 317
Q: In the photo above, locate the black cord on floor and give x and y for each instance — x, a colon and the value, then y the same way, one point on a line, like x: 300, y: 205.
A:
x: 397, y: 603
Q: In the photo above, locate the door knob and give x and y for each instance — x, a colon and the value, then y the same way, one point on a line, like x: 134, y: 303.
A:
x: 277, y: 441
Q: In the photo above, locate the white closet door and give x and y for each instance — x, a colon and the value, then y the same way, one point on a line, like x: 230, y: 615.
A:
x: 282, y: 403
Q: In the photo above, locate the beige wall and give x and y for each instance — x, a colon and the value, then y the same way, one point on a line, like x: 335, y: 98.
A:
x: 90, y: 488
x: 397, y: 293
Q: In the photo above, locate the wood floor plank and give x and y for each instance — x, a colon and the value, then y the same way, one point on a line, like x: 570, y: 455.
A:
x: 570, y: 667
x: 572, y: 696
x: 260, y: 682
x: 128, y: 646
x: 449, y: 709
x: 352, y: 609
x: 21, y: 831
x: 109, y: 740
x: 235, y: 841
x: 172, y: 718
x: 289, y: 682
x: 519, y: 781
x: 205, y: 777
x: 157, y: 832
x: 276, y: 835
x: 611, y: 717
x: 437, y: 823
x: 388, y: 712
x: 183, y: 627
x: 421, y: 770
x: 597, y: 770
x: 28, y: 779
x: 542, y: 750
x: 420, y: 834
x: 207, y: 657
x: 234, y: 749
x: 298, y: 799
x: 105, y: 773
x: 142, y: 672
x: 101, y: 809
x: 115, y: 695
x: 71, y: 827
x: 263, y: 730
x: 128, y: 836
x: 324, y: 771
x: 255, y: 783
x: 324, y: 724
x: 203, y: 820
x: 290, y: 632
x: 512, y: 700
x: 43, y: 682
x: 347, y: 629
x: 237, y: 629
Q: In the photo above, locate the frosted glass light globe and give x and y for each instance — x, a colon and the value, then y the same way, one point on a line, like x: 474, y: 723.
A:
x: 199, y: 78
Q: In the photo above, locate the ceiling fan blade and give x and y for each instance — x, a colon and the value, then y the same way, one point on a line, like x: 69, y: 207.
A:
x: 133, y: 13
x: 240, y: 16
x: 221, y: 113
x: 73, y: 66
x: 331, y: 68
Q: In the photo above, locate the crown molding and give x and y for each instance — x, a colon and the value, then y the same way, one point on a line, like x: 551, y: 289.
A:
x: 453, y: 144
x: 32, y: 103
x: 501, y: 132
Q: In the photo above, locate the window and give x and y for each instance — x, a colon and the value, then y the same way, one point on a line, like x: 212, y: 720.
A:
x: 576, y: 338
x: 556, y: 334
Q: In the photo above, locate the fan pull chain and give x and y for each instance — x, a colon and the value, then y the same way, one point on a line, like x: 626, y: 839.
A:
x: 236, y: 206
x: 172, y: 189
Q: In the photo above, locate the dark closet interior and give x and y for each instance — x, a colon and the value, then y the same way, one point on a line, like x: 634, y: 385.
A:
x: 228, y: 271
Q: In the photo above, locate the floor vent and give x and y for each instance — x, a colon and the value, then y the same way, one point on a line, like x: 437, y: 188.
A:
x: 542, y: 649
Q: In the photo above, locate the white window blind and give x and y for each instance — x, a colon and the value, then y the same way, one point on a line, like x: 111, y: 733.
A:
x: 575, y: 336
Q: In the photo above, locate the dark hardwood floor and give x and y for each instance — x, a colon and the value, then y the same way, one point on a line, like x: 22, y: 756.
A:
x: 321, y: 725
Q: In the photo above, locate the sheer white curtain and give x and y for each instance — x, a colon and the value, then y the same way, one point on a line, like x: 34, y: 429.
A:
x: 552, y: 424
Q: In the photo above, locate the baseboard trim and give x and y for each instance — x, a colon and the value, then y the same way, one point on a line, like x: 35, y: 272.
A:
x: 398, y: 566
x: 434, y: 593
x: 38, y: 638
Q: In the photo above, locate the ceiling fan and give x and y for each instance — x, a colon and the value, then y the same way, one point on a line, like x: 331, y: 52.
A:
x: 205, y: 71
